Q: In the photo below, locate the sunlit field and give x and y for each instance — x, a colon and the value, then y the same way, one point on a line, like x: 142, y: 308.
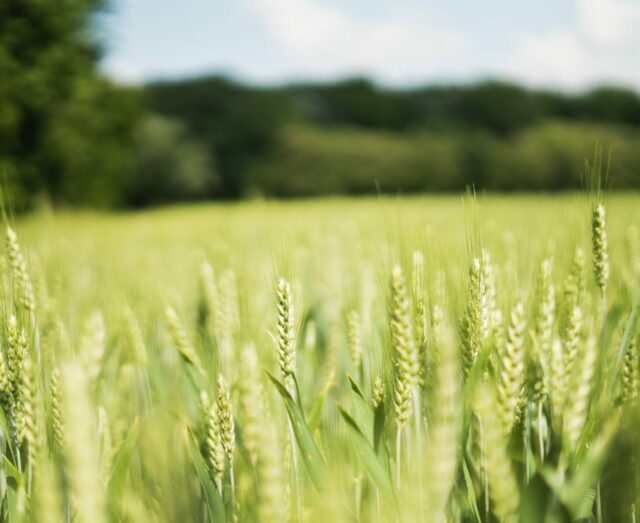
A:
x: 382, y: 359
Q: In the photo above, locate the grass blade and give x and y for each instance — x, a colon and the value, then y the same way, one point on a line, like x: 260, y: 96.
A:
x: 121, y: 465
x: 213, y: 498
x: 370, y: 459
x: 313, y: 460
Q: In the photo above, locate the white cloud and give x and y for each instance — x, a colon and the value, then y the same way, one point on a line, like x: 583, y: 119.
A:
x: 122, y: 73
x: 400, y: 42
x: 610, y: 23
x: 319, y: 40
x: 602, y: 45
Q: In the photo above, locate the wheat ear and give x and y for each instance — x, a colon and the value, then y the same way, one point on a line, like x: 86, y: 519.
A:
x: 405, y: 358
x: 213, y: 439
x: 445, y: 427
x: 600, y: 254
x: 511, y: 369
x: 503, y: 488
x: 475, y: 323
x: 80, y: 443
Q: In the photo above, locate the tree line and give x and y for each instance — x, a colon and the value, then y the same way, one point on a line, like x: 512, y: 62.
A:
x: 70, y: 136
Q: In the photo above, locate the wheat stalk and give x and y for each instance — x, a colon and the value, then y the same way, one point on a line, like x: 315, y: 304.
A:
x: 378, y: 392
x: 573, y: 285
x: 489, y: 278
x: 6, y: 388
x: 405, y: 353
x: 92, y: 346
x: 630, y: 378
x: 600, y: 254
x: 572, y: 340
x: 181, y: 339
x: 418, y: 300
x: 503, y: 488
x: 354, y: 338
x: 227, y: 427
x: 228, y: 318
x: 135, y: 339
x: 215, y: 453
x: 271, y: 490
x: 286, y: 335
x: 475, y: 323
x: 557, y: 380
x: 405, y: 358
x: 21, y: 278
x: 47, y: 498
x: 442, y: 452
x: 57, y: 419
x: 544, y: 326
x: 251, y: 401
x: 80, y: 443
x: 578, y: 404
x: 511, y: 369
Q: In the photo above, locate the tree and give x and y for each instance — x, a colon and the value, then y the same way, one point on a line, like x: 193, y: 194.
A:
x: 169, y: 165
x: 238, y: 123
x: 48, y: 66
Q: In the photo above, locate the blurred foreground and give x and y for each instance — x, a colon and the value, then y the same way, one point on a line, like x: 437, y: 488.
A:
x: 431, y: 359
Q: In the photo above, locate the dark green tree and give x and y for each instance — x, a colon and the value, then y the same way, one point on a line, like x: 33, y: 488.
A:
x: 238, y: 123
x: 169, y: 165
x: 55, y: 112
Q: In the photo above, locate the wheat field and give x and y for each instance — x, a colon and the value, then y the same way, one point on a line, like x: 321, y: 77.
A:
x: 435, y: 359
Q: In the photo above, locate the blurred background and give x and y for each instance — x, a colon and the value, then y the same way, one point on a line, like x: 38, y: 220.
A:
x: 132, y: 103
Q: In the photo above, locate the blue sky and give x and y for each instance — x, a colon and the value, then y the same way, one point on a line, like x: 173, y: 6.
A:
x: 569, y: 44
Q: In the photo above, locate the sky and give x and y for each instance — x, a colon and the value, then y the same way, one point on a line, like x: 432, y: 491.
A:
x: 566, y: 44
